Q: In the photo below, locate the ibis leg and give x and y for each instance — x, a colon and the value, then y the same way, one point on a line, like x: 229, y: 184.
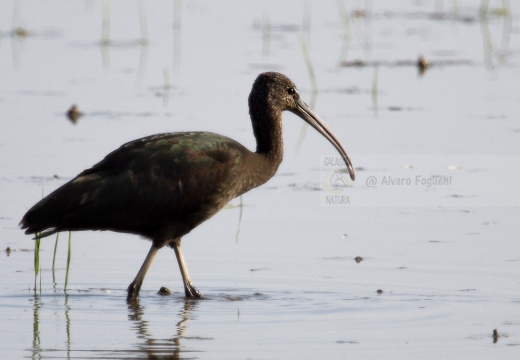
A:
x: 135, y: 286
x: 189, y: 289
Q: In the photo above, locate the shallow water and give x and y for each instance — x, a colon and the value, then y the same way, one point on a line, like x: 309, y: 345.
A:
x: 433, y: 213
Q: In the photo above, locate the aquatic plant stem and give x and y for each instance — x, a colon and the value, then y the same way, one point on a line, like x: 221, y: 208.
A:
x: 343, y: 14
x: 142, y: 23
x: 68, y: 263
x: 54, y: 256
x: 374, y: 90
x: 314, y: 88
x: 36, y: 258
x: 266, y: 35
x: 310, y: 70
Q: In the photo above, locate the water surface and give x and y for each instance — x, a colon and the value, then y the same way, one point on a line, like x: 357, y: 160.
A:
x: 439, y: 262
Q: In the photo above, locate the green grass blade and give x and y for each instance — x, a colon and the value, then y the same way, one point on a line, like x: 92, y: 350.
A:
x: 36, y: 259
x: 374, y: 90
x: 68, y: 262
x: 54, y: 257
x: 310, y: 70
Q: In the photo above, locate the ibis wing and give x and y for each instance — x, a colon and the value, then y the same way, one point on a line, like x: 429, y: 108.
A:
x: 142, y: 185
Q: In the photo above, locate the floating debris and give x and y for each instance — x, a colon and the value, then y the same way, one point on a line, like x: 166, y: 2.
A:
x: 496, y: 335
x: 346, y: 342
x: 379, y: 291
x: 358, y: 13
x: 164, y: 291
x: 20, y: 32
x: 73, y: 114
x: 423, y: 64
x: 232, y: 298
x: 259, y: 269
x: 358, y: 259
x: 8, y: 250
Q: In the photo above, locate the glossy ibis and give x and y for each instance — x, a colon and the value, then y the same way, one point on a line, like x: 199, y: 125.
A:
x: 163, y: 186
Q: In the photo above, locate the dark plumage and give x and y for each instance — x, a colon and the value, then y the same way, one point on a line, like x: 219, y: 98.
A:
x: 163, y: 186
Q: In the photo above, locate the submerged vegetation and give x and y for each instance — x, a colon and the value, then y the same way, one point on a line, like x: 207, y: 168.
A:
x: 37, y: 241
x: 68, y: 262
x: 37, y: 263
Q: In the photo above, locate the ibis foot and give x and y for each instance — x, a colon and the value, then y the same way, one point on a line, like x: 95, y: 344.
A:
x: 133, y: 292
x: 191, y: 292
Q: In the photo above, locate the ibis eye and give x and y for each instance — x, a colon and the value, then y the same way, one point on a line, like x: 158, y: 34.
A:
x: 291, y: 91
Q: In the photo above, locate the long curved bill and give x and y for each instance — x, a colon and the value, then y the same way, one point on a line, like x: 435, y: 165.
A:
x: 309, y: 115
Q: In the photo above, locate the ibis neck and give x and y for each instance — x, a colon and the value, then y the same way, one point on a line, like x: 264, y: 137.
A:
x: 267, y: 127
x: 262, y: 164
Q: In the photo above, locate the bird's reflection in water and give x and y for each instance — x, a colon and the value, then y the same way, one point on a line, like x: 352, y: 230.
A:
x: 155, y: 348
